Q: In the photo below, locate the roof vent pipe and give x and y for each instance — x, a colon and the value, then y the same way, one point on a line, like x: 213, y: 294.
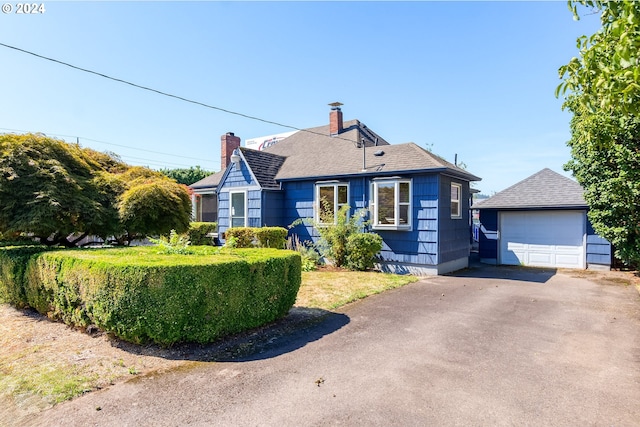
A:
x: 364, y: 158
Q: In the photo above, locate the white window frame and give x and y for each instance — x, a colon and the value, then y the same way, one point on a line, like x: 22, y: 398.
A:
x: 337, y: 206
x: 246, y: 207
x: 376, y: 225
x: 458, y: 214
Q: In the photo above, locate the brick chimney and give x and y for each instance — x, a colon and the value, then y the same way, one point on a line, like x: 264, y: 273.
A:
x: 228, y: 143
x: 335, y: 118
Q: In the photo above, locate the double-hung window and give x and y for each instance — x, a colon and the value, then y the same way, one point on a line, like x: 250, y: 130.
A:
x: 330, y: 197
x: 456, y: 201
x: 391, y: 204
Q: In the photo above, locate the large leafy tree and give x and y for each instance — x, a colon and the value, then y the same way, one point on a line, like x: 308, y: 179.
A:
x: 51, y: 189
x: 186, y: 176
x: 606, y: 76
x: 605, y: 151
x: 155, y: 206
x: 602, y: 90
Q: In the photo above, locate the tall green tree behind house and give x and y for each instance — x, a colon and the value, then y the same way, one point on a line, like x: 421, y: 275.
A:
x: 186, y: 176
x: 602, y: 90
x: 51, y: 189
x: 606, y: 75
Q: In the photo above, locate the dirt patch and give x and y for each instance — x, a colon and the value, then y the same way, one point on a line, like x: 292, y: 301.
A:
x: 613, y: 277
x: 44, y: 362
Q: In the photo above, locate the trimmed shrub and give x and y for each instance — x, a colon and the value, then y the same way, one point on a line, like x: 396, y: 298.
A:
x: 198, y: 232
x: 271, y: 237
x: 362, y: 249
x: 264, y: 237
x: 243, y: 237
x: 13, y: 263
x: 140, y: 295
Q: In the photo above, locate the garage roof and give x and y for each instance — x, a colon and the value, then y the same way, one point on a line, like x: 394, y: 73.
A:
x: 546, y: 189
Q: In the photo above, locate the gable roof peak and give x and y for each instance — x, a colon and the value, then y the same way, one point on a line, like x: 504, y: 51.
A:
x: 544, y: 189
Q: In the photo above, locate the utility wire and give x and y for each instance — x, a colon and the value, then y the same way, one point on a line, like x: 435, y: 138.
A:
x: 170, y: 95
x: 111, y: 143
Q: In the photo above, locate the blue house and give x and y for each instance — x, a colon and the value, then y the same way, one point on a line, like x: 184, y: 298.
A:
x: 541, y: 221
x: 416, y: 201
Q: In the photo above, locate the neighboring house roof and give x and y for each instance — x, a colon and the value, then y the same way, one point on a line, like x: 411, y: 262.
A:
x: 313, y: 153
x: 545, y: 189
x: 264, y: 166
x: 211, y: 181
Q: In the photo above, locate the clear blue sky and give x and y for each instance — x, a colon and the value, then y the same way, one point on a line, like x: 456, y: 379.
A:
x: 472, y: 78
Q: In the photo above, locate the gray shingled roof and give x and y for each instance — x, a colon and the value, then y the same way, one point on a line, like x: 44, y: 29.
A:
x: 208, y: 182
x: 315, y: 154
x: 545, y: 189
x: 264, y: 165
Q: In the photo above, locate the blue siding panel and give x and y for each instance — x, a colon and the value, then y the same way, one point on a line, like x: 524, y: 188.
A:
x: 454, y: 234
x: 273, y: 209
x: 598, y: 248
x: 488, y: 248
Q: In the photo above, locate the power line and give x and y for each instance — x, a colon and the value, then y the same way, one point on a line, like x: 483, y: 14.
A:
x: 159, y: 163
x: 111, y: 143
x: 202, y: 104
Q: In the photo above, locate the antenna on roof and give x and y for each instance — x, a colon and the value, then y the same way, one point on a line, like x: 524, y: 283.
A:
x: 455, y: 160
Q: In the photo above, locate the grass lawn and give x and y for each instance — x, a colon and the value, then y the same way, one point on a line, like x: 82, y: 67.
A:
x: 43, y: 363
x: 329, y: 289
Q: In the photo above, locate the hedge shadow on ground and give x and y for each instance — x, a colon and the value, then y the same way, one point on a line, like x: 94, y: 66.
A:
x: 298, y: 328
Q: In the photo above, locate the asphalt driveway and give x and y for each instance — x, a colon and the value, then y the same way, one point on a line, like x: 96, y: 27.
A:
x: 494, y: 346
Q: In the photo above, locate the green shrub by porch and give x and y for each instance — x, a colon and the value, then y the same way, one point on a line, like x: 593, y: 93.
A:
x: 199, y: 233
x: 140, y: 295
x: 264, y: 237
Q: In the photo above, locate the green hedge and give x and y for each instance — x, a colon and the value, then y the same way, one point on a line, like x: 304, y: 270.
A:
x: 140, y: 295
x: 242, y: 237
x: 271, y: 237
x: 13, y: 263
x: 198, y: 233
x: 264, y: 237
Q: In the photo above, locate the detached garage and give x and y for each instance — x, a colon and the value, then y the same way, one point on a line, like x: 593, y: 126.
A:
x: 540, y: 222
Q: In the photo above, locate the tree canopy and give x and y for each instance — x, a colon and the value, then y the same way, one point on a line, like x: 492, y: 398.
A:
x: 186, y: 176
x: 602, y: 90
x: 51, y: 189
x: 606, y: 76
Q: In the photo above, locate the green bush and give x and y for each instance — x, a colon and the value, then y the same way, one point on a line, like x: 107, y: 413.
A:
x: 140, y: 295
x: 13, y: 263
x: 177, y: 244
x: 198, y: 232
x: 271, y: 237
x: 310, y: 257
x: 243, y: 236
x: 362, y: 249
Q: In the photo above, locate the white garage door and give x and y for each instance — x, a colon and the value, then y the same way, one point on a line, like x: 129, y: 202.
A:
x: 543, y: 238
